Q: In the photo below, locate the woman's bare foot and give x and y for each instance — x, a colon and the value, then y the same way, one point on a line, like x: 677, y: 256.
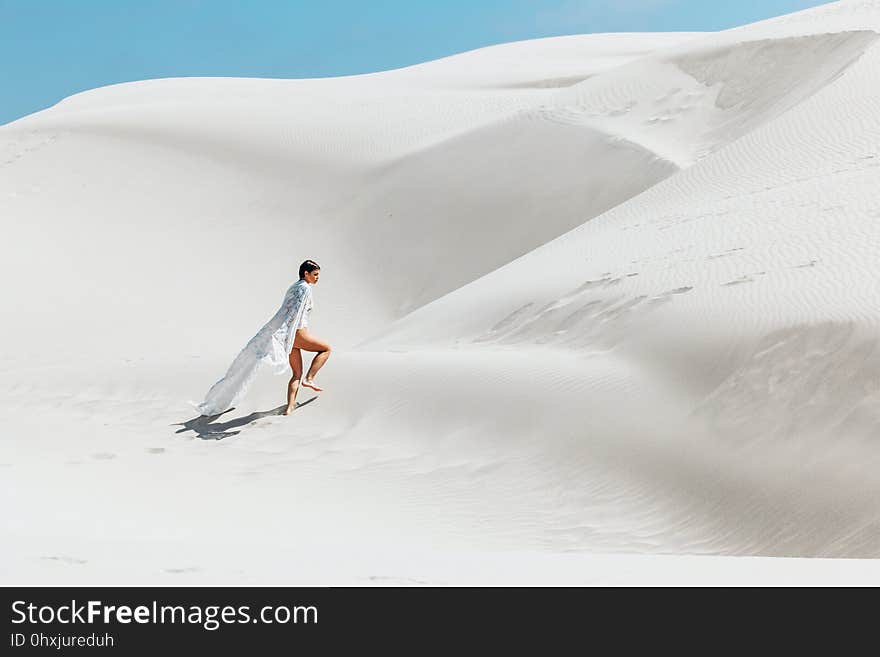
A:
x: 288, y: 411
x: 308, y: 383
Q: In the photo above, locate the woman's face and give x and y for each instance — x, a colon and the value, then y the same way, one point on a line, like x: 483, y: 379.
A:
x: 312, y: 276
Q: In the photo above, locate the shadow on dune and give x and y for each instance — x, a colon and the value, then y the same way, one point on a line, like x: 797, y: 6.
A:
x: 207, y: 428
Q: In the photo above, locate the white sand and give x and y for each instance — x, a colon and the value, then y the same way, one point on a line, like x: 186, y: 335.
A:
x: 604, y: 309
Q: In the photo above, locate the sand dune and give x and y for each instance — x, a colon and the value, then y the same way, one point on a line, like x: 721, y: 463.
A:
x: 603, y: 310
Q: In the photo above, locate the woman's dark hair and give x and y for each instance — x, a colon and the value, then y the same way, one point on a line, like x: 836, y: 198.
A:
x: 308, y: 266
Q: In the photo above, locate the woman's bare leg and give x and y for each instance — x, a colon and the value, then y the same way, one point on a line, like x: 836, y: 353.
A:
x: 305, y: 340
x: 296, y: 364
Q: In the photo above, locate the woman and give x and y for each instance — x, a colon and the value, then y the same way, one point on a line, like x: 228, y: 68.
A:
x: 309, y: 271
x: 279, y: 344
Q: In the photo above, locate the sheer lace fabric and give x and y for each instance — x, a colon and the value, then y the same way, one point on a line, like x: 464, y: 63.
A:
x: 270, y: 346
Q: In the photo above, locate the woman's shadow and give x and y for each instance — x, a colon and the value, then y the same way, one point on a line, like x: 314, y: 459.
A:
x: 207, y: 428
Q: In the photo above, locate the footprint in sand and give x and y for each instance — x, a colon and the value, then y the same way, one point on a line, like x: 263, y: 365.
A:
x: 27, y: 144
x: 104, y: 456
x: 511, y: 320
x: 665, y: 296
x: 521, y: 319
x: 155, y: 450
x: 181, y: 571
x: 606, y: 280
x: 745, y: 278
x: 68, y: 560
x: 724, y: 254
x: 811, y: 263
x: 574, y: 318
x: 552, y: 309
x: 618, y: 311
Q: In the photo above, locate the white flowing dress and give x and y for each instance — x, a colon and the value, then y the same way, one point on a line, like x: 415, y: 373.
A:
x: 271, y: 346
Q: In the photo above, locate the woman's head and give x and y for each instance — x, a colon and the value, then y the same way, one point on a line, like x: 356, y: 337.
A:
x: 310, y: 271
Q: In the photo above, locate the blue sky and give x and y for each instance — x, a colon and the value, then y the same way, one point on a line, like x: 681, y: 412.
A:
x: 50, y: 49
